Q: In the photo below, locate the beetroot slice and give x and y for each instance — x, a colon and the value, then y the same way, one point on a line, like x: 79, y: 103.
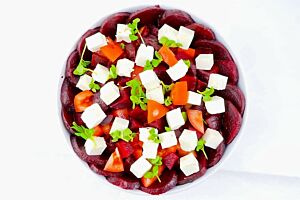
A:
x: 204, y: 74
x: 130, y: 51
x: 191, y: 82
x: 78, y: 146
x: 148, y: 15
x: 152, y: 41
x: 138, y: 114
x: 232, y: 122
x: 81, y: 43
x: 124, y: 148
x: 98, y: 58
x: 125, y: 182
x: 100, y: 170
x: 159, y: 124
x: 214, y: 121
x: 201, y: 32
x: 175, y: 18
x: 170, y: 160
x: 228, y: 68
x: 67, y: 94
x: 109, y: 25
x: 97, y: 99
x: 235, y: 95
x: 215, y: 155
x: 123, y: 101
x: 134, y: 125
x: 161, y: 73
x: 220, y: 52
x: 168, y: 181
x: 67, y: 117
x: 72, y: 62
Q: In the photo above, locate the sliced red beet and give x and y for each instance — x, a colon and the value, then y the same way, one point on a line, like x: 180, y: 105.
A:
x: 100, y: 170
x: 125, y: 181
x: 175, y: 18
x: 77, y: 119
x: 214, y: 155
x: 78, y: 146
x: 130, y: 51
x: 109, y: 25
x: 67, y: 117
x: 161, y: 73
x: 201, y: 32
x: 170, y: 160
x: 159, y: 124
x: 81, y: 43
x: 123, y: 101
x: 183, y: 179
x: 98, y: 100
x: 148, y: 15
x: 67, y: 94
x: 202, y: 50
x: 71, y: 65
x: 127, y: 162
x: 168, y: 181
x: 214, y: 121
x: 232, y: 122
x: 99, y: 58
x: 235, y: 95
x: 191, y: 81
x: 111, y: 146
x: 152, y: 41
x: 219, y: 50
x: 138, y: 114
x: 204, y: 74
x: 228, y: 68
x: 124, y: 148
x: 153, y: 29
x: 134, y: 125
x: 108, y: 119
x: 201, y: 85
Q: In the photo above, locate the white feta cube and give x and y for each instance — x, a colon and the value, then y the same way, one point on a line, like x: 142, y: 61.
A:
x: 119, y: 124
x: 150, y: 149
x: 204, y: 61
x: 178, y: 70
x: 109, y: 93
x: 194, y: 98
x: 215, y: 105
x: 188, y: 140
x: 123, y: 32
x: 125, y: 67
x: 100, y: 74
x: 140, y: 167
x: 212, y: 138
x: 95, y: 42
x: 95, y: 147
x: 149, y: 79
x: 143, y: 54
x: 189, y: 164
x: 167, y: 139
x: 217, y: 81
x: 175, y: 119
x: 185, y: 37
x: 84, y: 82
x: 144, y: 133
x: 156, y: 94
x: 167, y: 31
x: 93, y: 115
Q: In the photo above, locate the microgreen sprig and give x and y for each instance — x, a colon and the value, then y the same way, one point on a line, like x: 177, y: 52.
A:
x: 138, y: 97
x: 167, y: 129
x: 156, y: 162
x: 126, y: 135
x: 168, y: 101
x: 200, y: 146
x: 207, y: 93
x: 184, y: 116
x: 154, y: 63
x: 82, y: 66
x: 154, y: 136
x: 83, y: 132
x: 167, y: 88
x: 169, y: 43
x: 94, y: 86
x: 187, y: 62
x: 134, y: 30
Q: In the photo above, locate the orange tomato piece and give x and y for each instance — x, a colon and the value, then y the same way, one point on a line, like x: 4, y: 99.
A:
x: 149, y: 181
x: 196, y: 119
x: 168, y: 55
x: 155, y: 111
x: 82, y: 100
x: 112, y: 50
x: 179, y: 93
x: 98, y: 131
x: 164, y: 152
x: 114, y: 163
x: 136, y: 71
x: 106, y: 128
x: 182, y: 153
x: 188, y: 52
x: 138, y: 152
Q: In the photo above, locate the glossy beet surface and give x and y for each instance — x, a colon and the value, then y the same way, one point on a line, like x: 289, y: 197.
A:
x: 204, y: 42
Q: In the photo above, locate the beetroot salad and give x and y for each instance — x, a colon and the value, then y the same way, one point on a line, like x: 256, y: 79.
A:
x: 150, y: 99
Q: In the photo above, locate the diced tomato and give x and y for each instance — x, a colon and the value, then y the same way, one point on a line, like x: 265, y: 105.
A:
x: 168, y: 56
x: 182, y: 153
x: 138, y: 152
x: 125, y: 148
x: 179, y: 93
x: 114, y: 163
x: 196, y: 119
x: 185, y: 53
x: 155, y: 111
x: 112, y: 50
x: 98, y: 131
x: 149, y: 181
x: 106, y: 128
x: 122, y: 113
x: 164, y: 152
x: 83, y: 100
x: 136, y: 71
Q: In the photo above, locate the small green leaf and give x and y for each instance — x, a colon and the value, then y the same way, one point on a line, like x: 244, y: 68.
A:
x: 168, y: 101
x: 82, y: 65
x: 83, y: 132
x: 200, y: 146
x: 153, y: 136
x: 184, y: 116
x: 207, y: 94
x: 149, y: 175
x: 168, y: 129
x: 148, y: 66
x: 126, y: 135
x: 187, y: 62
x: 138, y: 97
x: 133, y: 37
x: 113, y: 72
x: 94, y: 86
x: 134, y: 29
x: 169, y: 43
x: 122, y: 45
x: 167, y: 88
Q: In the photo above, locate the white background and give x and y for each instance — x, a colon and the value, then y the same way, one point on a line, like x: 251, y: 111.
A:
x: 36, y: 37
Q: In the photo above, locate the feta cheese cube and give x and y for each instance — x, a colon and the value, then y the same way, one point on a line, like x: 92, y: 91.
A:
x: 84, y: 82
x: 149, y: 79
x: 140, y: 167
x: 178, y: 70
x: 167, y: 139
x: 188, y: 140
x: 125, y: 67
x: 189, y: 164
x: 215, y: 105
x: 217, y: 81
x: 156, y: 94
x: 212, y: 138
x: 95, y: 42
x: 100, y: 74
x: 93, y: 115
x: 194, y: 98
x: 175, y: 119
x: 109, y: 93
x: 167, y: 31
x: 143, y: 54
x: 119, y: 124
x: 204, y: 61
x: 123, y: 32
x: 150, y: 149
x: 185, y: 37
x: 144, y: 133
x: 95, y: 147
